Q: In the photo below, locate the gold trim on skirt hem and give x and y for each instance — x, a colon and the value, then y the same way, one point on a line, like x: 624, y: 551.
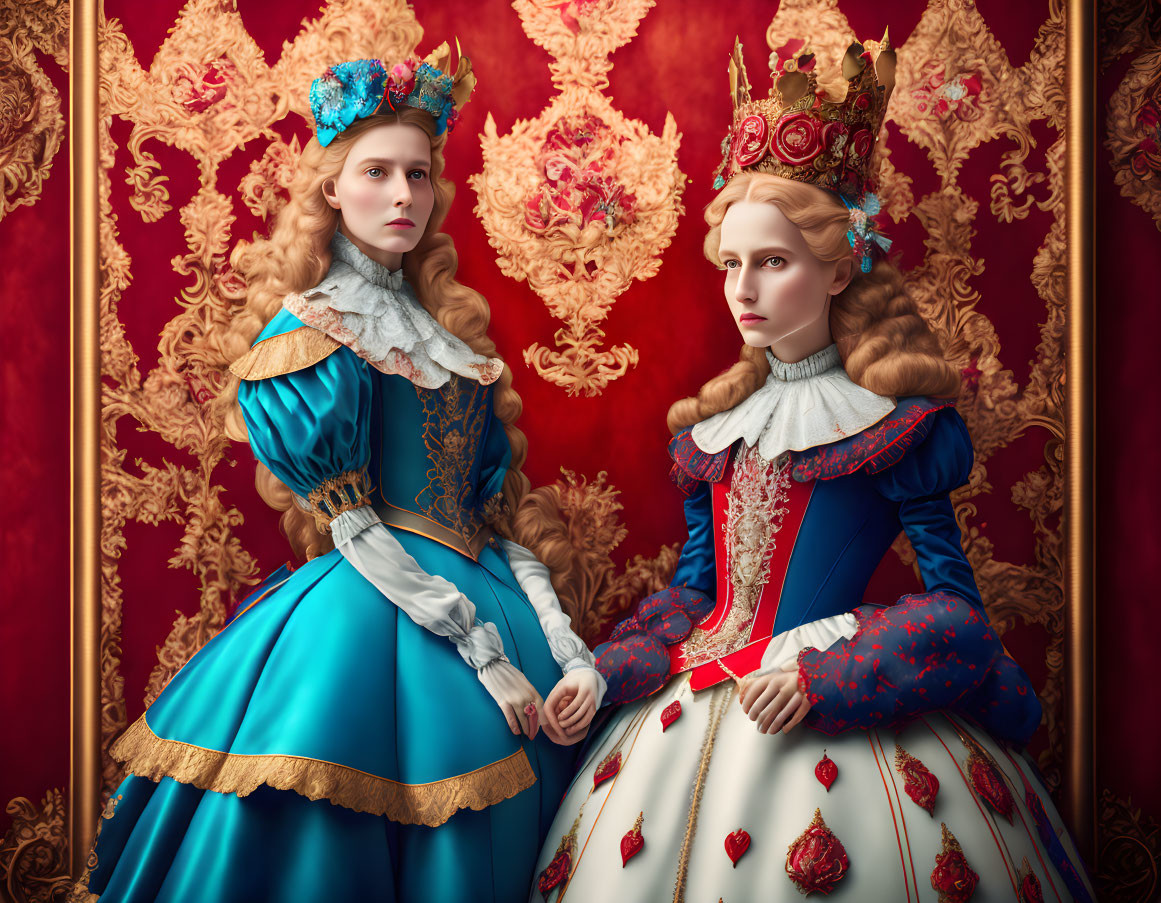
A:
x: 149, y: 756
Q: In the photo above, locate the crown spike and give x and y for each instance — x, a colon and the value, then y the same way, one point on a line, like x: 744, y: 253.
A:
x: 739, y: 82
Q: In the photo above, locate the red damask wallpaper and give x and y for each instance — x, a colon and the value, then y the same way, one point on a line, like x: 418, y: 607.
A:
x: 201, y: 133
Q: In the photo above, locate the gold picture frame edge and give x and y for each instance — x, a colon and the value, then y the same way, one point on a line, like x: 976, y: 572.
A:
x: 84, y: 450
x: 85, y: 599
x: 1080, y: 641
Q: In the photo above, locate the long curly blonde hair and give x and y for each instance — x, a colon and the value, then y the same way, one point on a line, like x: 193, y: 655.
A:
x: 297, y: 255
x: 885, y: 345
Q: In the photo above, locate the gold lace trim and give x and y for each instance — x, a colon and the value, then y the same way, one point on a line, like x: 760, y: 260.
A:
x: 287, y: 353
x: 334, y: 495
x: 149, y: 756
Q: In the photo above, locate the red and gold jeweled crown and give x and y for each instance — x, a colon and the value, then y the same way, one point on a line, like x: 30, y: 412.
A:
x: 797, y: 132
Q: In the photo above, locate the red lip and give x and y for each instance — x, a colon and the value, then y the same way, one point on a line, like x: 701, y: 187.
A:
x: 402, y: 221
x: 751, y: 318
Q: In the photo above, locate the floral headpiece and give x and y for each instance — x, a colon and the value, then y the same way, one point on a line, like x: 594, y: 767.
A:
x: 797, y: 133
x: 361, y: 88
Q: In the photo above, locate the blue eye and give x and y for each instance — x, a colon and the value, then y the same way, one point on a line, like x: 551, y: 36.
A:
x: 417, y: 174
x: 374, y: 172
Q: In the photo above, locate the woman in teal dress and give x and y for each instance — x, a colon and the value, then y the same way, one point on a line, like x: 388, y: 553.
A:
x: 367, y: 727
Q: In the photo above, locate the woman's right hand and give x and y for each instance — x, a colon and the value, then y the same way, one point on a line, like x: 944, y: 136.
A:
x: 516, y: 697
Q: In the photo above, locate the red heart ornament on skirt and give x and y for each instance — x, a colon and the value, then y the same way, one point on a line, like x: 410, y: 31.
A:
x: 556, y: 872
x: 736, y: 845
x: 607, y: 769
x: 632, y: 842
x: 826, y: 771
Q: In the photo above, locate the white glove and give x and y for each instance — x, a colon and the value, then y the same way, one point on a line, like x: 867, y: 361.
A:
x: 568, y: 649
x: 515, y: 696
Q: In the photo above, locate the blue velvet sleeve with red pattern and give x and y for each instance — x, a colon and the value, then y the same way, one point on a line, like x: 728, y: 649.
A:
x: 635, y: 660
x: 929, y: 650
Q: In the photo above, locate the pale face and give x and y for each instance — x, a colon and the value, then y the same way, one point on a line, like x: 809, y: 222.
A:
x: 384, y: 191
x: 778, y: 292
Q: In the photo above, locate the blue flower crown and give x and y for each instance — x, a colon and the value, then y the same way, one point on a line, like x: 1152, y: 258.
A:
x: 361, y: 88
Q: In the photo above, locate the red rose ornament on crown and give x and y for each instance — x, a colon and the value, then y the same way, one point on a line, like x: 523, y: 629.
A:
x: 799, y: 133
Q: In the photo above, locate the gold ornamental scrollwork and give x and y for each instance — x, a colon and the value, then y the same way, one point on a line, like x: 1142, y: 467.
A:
x: 1133, y: 122
x: 31, y: 123
x: 580, y: 201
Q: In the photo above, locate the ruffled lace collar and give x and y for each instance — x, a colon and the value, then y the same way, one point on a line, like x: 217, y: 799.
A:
x: 374, y: 312
x: 802, y: 405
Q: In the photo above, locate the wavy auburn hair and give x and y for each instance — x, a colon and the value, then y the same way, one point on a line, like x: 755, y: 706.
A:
x: 297, y: 256
x: 885, y: 344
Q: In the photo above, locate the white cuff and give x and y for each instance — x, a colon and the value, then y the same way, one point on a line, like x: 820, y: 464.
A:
x: 782, y: 653
x: 428, y: 599
x: 351, y: 523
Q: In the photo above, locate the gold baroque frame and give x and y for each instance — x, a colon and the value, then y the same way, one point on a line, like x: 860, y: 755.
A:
x: 85, y: 759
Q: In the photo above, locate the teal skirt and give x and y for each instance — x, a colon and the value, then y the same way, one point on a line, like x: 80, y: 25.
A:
x: 325, y: 747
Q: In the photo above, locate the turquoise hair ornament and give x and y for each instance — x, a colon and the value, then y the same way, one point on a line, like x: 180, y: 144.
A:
x: 357, y: 89
x: 864, y: 235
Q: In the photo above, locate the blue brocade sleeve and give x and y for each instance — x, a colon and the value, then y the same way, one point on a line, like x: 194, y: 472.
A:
x: 929, y: 650
x: 635, y: 660
x: 311, y: 424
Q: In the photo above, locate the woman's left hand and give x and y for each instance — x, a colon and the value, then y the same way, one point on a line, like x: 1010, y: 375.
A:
x: 570, y: 706
x: 774, y: 701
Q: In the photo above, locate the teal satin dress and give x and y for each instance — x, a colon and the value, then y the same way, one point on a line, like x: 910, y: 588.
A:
x: 323, y: 746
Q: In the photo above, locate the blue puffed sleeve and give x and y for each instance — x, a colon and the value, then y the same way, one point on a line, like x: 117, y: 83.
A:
x: 920, y: 483
x: 311, y: 424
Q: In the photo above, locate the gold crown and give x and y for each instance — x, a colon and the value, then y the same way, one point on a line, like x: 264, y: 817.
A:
x: 797, y: 132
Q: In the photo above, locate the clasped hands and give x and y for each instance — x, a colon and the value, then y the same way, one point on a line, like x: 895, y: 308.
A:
x: 773, y: 701
x: 565, y: 716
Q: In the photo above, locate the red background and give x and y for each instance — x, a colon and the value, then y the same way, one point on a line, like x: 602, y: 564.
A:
x: 676, y: 64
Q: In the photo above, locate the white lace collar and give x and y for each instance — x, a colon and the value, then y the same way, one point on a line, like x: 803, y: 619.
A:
x: 802, y: 405
x: 374, y: 312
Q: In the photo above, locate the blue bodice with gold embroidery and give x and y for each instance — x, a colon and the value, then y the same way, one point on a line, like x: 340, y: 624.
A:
x: 444, y: 477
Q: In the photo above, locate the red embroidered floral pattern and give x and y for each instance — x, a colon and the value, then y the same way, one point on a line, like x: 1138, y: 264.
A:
x: 989, y: 783
x: 817, y: 860
x: 952, y: 877
x: 558, y: 869
x: 918, y: 781
x: 669, y: 714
